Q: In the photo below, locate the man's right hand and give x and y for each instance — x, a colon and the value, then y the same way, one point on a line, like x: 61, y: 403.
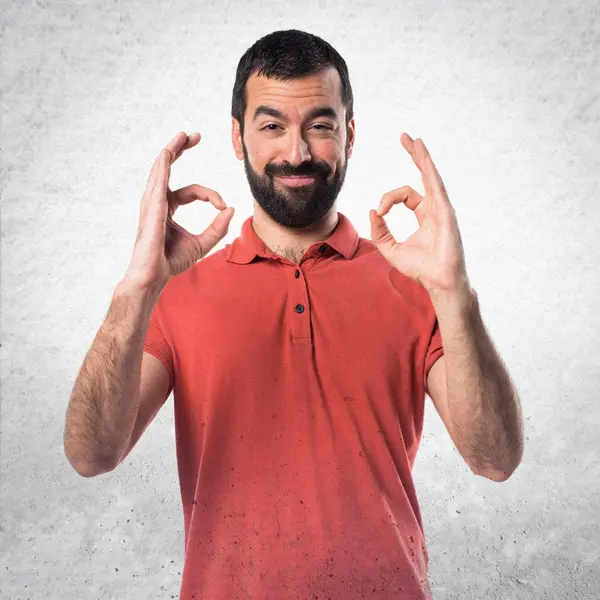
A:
x: 164, y: 248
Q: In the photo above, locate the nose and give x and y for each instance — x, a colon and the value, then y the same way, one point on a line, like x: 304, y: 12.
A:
x: 297, y: 150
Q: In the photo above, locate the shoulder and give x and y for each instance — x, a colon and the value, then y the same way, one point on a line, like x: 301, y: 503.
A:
x: 185, y: 287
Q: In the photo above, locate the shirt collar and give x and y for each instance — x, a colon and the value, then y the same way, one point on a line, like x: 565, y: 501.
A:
x: 245, y: 248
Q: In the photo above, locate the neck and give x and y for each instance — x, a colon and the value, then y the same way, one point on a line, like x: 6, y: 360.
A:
x: 292, y: 243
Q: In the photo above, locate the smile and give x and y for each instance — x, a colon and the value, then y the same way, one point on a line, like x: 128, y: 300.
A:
x: 295, y: 181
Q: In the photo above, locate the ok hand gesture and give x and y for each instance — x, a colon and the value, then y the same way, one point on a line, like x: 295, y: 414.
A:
x: 163, y: 248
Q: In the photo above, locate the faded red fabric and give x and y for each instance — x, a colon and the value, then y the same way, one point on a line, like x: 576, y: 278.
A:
x: 299, y: 397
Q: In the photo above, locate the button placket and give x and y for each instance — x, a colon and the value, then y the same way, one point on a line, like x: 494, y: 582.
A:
x: 300, y: 324
x: 299, y: 308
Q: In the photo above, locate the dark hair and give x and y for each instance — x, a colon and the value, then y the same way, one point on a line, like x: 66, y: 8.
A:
x: 287, y: 55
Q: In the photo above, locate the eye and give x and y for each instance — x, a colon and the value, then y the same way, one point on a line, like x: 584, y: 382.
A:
x: 322, y: 127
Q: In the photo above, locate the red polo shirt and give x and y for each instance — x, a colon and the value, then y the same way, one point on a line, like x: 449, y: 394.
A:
x: 299, y: 395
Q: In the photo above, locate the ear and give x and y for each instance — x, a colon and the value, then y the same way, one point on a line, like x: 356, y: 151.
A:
x: 350, y: 140
x: 236, y: 139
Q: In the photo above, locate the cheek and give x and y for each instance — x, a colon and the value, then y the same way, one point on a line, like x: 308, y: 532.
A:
x: 256, y: 161
x: 332, y: 153
x: 258, y: 155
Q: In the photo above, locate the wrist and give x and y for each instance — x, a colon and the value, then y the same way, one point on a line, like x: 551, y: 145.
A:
x: 132, y: 288
x: 457, y: 302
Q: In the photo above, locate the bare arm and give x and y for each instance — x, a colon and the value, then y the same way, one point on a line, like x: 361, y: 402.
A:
x: 473, y: 391
x: 105, y: 399
x: 102, y: 418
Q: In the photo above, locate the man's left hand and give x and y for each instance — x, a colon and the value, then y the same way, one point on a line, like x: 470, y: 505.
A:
x: 433, y: 255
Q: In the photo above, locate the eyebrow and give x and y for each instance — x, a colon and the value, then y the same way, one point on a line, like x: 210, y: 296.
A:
x: 320, y: 111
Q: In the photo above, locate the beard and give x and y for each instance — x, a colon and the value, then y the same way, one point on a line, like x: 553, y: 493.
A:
x: 295, y: 206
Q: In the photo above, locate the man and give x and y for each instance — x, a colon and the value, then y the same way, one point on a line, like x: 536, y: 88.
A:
x: 299, y: 355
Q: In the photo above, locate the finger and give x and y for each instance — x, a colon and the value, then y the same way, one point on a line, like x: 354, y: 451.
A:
x: 176, y: 147
x: 172, y: 147
x: 177, y: 144
x: 154, y: 206
x: 414, y: 149
x: 158, y: 180
x: 433, y: 175
x: 161, y: 178
x: 381, y: 235
x: 151, y: 175
x: 180, y: 143
x: 191, y: 141
x: 216, y: 231
x: 432, y: 181
x: 410, y: 197
x: 151, y: 182
x: 189, y: 193
x: 408, y: 144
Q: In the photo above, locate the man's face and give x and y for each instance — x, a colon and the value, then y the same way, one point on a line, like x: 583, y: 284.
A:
x: 293, y: 142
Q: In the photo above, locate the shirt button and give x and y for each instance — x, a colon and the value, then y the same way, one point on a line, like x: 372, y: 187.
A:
x: 297, y: 273
x: 299, y: 308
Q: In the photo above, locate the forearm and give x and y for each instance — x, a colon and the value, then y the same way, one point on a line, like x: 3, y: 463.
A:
x: 104, y: 401
x: 484, y: 404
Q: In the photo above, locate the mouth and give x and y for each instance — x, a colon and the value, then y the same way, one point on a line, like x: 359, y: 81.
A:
x: 296, y: 181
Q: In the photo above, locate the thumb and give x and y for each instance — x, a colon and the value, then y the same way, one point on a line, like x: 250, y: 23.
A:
x: 222, y: 220
x: 217, y: 230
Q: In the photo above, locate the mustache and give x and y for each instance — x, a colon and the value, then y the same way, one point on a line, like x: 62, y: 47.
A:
x: 306, y: 169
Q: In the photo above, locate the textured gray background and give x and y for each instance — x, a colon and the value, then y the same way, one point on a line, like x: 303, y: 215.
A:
x: 505, y: 95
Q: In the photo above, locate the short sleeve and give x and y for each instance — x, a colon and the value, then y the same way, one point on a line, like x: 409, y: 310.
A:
x: 157, y: 345
x: 434, y: 351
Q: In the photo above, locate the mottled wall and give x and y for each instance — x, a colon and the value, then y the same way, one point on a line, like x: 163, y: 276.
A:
x: 505, y: 95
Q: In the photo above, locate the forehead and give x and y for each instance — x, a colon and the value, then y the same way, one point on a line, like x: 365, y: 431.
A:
x: 297, y: 95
